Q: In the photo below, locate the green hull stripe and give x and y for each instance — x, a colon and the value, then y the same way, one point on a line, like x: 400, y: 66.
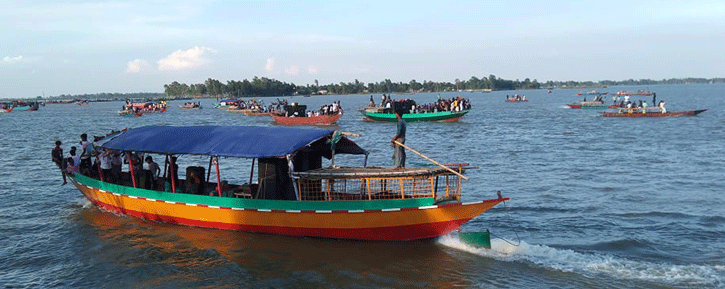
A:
x: 254, y: 204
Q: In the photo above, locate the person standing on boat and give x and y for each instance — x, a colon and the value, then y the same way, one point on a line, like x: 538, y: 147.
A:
x: 57, y: 157
x: 152, y: 174
x: 85, y: 164
x: 399, y: 153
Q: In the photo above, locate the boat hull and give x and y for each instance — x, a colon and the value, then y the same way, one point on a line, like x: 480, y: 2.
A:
x: 653, y: 114
x: 579, y: 106
x: 443, y: 116
x: 388, y: 220
x: 307, y: 120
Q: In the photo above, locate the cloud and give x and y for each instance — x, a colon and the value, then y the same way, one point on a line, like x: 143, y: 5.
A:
x: 136, y: 65
x: 312, y: 70
x: 16, y: 59
x: 292, y: 70
x: 270, y: 65
x: 184, y: 59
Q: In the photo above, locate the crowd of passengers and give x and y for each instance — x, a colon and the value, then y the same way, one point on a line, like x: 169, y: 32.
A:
x: 455, y: 104
x: 326, y: 109
x: 106, y: 164
x: 625, y: 102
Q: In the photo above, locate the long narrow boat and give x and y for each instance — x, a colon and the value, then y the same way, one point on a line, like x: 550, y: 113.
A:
x: 294, y: 195
x: 589, y: 105
x: 252, y: 112
x: 624, y: 112
x: 326, y: 119
x: 379, y: 114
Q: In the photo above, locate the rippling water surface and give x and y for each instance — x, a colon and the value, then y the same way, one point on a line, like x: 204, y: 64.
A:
x: 595, y: 202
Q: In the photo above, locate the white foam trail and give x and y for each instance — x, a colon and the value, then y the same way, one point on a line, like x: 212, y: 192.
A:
x: 571, y: 261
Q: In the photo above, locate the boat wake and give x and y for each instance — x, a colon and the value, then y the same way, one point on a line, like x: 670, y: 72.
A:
x: 565, y: 260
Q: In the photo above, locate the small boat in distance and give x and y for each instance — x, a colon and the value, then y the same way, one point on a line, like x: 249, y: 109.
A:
x: 589, y: 105
x: 190, y: 105
x: 293, y: 195
x: 650, y: 112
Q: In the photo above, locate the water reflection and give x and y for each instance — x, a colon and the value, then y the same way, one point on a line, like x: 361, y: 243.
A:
x: 130, y: 243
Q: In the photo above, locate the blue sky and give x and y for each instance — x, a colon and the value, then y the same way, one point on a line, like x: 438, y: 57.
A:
x: 76, y: 47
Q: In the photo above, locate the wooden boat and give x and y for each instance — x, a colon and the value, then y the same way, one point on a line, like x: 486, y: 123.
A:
x: 654, y: 112
x: 588, y: 105
x: 382, y: 114
x: 251, y: 112
x: 325, y: 119
x: 6, y: 110
x: 303, y: 199
x: 190, y: 105
x: 128, y: 112
x: 225, y: 103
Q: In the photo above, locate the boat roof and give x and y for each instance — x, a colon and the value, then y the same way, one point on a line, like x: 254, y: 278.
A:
x: 370, y: 172
x: 229, y: 141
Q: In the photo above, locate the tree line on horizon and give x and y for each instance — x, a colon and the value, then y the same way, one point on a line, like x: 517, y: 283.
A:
x: 272, y: 87
x: 261, y: 87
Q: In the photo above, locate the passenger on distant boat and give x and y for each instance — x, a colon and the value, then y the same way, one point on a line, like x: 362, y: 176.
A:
x: 372, y: 102
x: 661, y: 105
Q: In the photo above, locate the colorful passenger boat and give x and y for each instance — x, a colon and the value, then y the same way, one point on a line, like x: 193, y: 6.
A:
x: 650, y: 112
x: 293, y: 195
x: 324, y: 119
x: 383, y: 114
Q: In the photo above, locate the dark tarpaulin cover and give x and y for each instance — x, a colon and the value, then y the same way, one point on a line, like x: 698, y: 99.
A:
x: 225, y: 141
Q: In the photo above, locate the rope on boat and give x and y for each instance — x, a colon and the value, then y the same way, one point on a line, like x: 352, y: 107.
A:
x: 515, y: 232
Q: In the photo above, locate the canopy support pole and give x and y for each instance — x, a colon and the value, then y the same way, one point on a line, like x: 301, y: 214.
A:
x: 166, y: 165
x: 100, y: 172
x: 251, y: 175
x: 130, y: 169
x: 208, y: 171
x: 171, y: 172
x: 218, y: 179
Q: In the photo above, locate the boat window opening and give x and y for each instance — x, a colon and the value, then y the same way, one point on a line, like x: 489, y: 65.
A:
x: 337, y: 189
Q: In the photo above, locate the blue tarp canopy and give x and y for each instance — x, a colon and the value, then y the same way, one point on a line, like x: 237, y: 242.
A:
x: 227, y: 141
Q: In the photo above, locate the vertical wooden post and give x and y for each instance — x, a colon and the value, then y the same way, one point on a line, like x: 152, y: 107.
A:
x: 447, y: 187
x: 432, y: 187
x: 370, y: 197
x: 402, y: 192
x: 458, y: 190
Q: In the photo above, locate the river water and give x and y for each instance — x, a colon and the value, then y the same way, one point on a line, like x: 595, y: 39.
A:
x: 595, y: 203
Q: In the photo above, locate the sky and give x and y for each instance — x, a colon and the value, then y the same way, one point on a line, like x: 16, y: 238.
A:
x: 49, y: 48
